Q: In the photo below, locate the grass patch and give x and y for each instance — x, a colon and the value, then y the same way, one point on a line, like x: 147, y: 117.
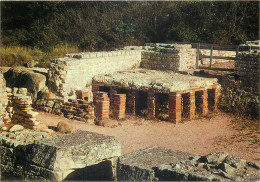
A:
x: 17, y: 55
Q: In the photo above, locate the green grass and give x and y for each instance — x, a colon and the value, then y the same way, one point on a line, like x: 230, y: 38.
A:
x: 17, y: 55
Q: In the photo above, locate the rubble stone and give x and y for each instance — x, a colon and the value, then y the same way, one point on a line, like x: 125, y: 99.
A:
x: 163, y: 164
x: 16, y: 127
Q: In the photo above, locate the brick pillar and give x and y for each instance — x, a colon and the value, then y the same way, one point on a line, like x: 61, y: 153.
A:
x: 102, y: 106
x: 191, y: 108
x: 131, y: 102
x: 95, y: 89
x: 202, y: 101
x: 119, y: 106
x: 83, y: 95
x: 112, y: 92
x: 151, y: 105
x: 215, y: 96
x: 175, y: 107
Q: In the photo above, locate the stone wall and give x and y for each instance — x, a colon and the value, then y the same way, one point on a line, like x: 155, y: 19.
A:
x: 75, y: 72
x: 37, y: 156
x: 240, y: 92
x: 248, y: 68
x: 77, y: 109
x: 187, y: 56
x: 174, y: 57
x: 3, y: 100
x: 235, y: 99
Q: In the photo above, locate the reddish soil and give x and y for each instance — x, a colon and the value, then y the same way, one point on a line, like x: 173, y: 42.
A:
x: 217, y: 132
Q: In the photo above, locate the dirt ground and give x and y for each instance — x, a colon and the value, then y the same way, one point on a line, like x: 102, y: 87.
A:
x: 216, y: 132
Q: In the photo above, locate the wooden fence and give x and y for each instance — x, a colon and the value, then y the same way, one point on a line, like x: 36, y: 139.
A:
x: 213, y: 47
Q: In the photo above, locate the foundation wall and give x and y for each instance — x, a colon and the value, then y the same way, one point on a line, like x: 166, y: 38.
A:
x: 75, y: 72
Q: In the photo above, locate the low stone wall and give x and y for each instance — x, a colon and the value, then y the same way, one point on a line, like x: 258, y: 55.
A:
x: 77, y: 109
x: 80, y: 155
x: 162, y: 164
x: 235, y: 99
x: 248, y: 68
x: 187, y: 56
x: 240, y: 92
x: 75, y: 72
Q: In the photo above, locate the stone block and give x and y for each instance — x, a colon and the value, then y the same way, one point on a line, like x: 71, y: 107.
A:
x: 138, y: 165
x: 69, y: 152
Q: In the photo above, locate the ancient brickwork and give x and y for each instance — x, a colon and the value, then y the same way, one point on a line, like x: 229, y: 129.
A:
x: 248, y: 68
x: 75, y: 72
x: 102, y: 103
x: 20, y: 109
x: 119, y: 101
x: 77, y: 109
x: 80, y: 110
x: 142, y: 94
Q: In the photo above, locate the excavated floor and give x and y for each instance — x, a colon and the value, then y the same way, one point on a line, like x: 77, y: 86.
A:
x: 166, y: 82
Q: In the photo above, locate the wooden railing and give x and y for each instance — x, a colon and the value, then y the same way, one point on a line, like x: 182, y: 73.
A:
x: 213, y: 47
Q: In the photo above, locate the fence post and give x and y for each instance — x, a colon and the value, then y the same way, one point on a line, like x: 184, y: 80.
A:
x: 237, y: 50
x: 197, y: 55
x: 211, y: 56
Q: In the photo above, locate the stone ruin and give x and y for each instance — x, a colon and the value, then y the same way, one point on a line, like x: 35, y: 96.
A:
x: 137, y: 91
x: 95, y: 86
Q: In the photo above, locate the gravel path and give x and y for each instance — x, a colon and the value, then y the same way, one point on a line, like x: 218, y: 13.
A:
x: 200, y: 136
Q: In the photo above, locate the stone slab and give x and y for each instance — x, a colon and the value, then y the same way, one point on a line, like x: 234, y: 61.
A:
x: 156, y: 163
x: 138, y: 165
x: 60, y: 157
x: 166, y: 82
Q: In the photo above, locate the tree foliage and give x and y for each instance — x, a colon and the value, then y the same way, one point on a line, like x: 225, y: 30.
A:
x: 105, y: 25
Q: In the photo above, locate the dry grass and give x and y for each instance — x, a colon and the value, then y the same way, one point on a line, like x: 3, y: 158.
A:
x: 18, y: 55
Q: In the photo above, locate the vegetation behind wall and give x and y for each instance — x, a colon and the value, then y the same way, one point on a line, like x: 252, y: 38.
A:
x: 94, y: 26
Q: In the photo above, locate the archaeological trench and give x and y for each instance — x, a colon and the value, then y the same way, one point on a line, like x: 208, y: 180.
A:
x: 155, y: 81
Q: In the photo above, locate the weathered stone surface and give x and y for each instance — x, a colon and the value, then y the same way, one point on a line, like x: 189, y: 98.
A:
x: 163, y: 164
x: 75, y: 71
x: 141, y: 79
x: 38, y: 156
x: 64, y: 127
x: 16, y: 127
x: 212, y: 167
x: 76, y: 150
x: 23, y: 77
x: 138, y: 165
